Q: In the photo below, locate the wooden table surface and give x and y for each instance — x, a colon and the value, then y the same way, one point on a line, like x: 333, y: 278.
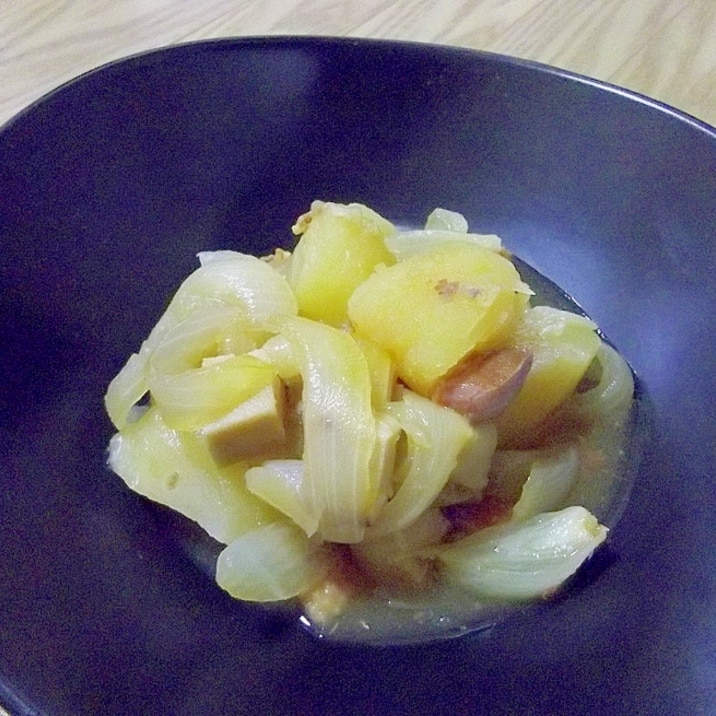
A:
x: 665, y: 49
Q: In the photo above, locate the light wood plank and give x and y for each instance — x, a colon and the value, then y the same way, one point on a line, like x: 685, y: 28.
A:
x: 687, y: 79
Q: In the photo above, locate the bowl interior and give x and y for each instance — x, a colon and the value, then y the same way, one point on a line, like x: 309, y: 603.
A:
x: 112, y: 184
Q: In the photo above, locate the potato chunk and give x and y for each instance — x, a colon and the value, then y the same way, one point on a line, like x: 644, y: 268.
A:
x: 340, y: 246
x: 430, y: 310
x: 562, y: 345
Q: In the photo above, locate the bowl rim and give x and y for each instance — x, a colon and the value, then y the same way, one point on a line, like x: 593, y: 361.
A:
x: 246, y: 42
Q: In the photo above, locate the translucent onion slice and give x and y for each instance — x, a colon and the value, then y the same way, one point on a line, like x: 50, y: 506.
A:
x: 197, y: 336
x: 470, y: 477
x: 383, y: 373
x: 247, y: 290
x: 279, y: 483
x: 551, y: 478
x: 268, y: 564
x: 176, y: 470
x: 473, y: 466
x: 279, y: 353
x: 523, y: 560
x: 446, y: 220
x: 508, y: 471
x: 339, y: 427
x: 194, y: 398
x: 435, y: 438
x: 239, y: 281
x: 383, y: 461
x: 126, y: 389
x: 614, y: 392
x: 410, y: 243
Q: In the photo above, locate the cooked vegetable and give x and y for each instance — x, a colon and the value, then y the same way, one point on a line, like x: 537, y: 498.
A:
x: 339, y: 428
x: 412, y: 243
x: 548, y: 484
x: 563, y: 346
x: 280, y: 484
x: 431, y: 310
x: 375, y: 418
x: 442, y: 228
x: 175, y: 469
x: 524, y: 560
x: 435, y: 438
x: 268, y: 564
x: 340, y: 247
x: 199, y: 396
x: 223, y: 303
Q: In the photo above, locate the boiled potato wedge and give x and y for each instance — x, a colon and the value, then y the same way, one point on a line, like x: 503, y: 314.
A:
x: 340, y: 245
x: 432, y: 309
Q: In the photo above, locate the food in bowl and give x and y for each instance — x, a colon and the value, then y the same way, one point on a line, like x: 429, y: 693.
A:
x: 380, y: 425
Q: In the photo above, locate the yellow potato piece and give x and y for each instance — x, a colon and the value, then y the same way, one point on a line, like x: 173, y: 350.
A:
x: 432, y: 309
x: 340, y: 246
x: 563, y: 346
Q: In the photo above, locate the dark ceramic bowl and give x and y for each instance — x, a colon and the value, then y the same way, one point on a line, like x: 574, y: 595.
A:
x: 108, y: 188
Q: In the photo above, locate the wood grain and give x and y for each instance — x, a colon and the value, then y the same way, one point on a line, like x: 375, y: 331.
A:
x: 665, y: 49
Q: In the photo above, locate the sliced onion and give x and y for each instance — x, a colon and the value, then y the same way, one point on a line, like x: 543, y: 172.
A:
x: 551, y: 478
x: 192, y: 399
x: 446, y: 220
x: 435, y: 438
x: 236, y: 279
x: 242, y: 282
x: 231, y: 293
x: 473, y: 465
x: 127, y: 388
x: 523, y: 560
x: 339, y: 427
x: 614, y: 392
x: 279, y: 483
x: 279, y: 353
x: 268, y: 564
x: 410, y: 243
x: 195, y: 337
x: 176, y: 470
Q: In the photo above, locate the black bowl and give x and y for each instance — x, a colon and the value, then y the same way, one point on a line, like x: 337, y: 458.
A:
x: 108, y: 188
